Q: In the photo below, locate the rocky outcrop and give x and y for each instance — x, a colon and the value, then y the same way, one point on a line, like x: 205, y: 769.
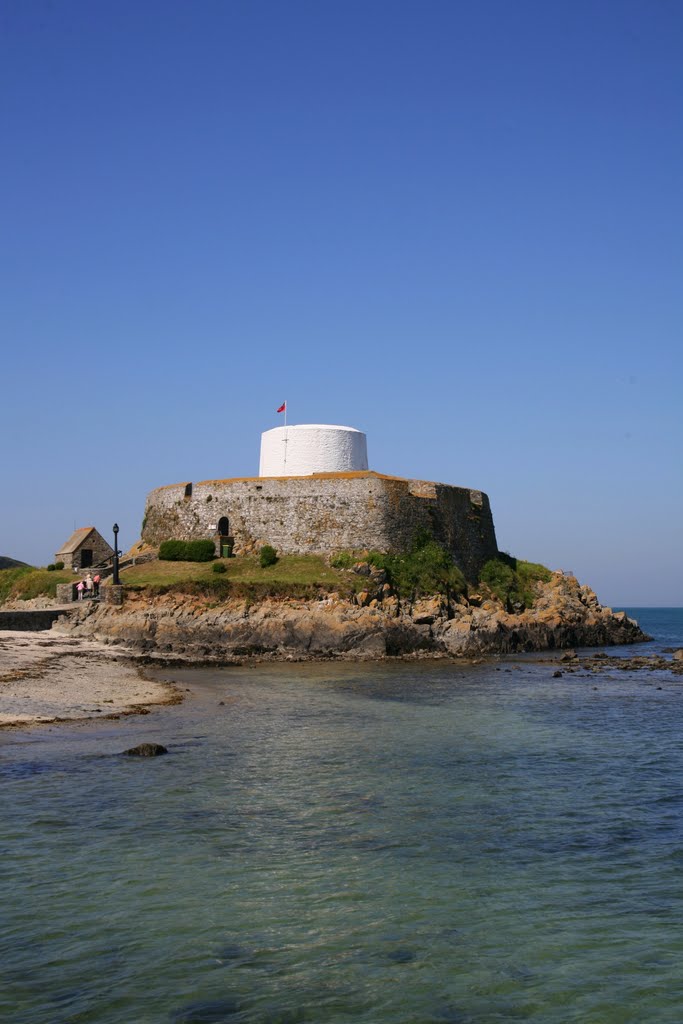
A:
x: 374, y: 625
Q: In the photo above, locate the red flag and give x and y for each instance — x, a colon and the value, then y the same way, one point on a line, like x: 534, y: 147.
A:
x: 282, y: 407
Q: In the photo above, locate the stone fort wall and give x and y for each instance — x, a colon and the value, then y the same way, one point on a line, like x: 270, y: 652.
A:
x: 325, y: 513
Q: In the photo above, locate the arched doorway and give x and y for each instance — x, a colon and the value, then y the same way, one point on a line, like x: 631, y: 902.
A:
x: 225, y: 542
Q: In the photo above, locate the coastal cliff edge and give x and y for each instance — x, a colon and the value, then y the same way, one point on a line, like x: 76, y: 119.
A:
x: 195, y: 627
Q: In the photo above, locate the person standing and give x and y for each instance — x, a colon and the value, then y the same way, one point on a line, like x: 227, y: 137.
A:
x: 80, y: 587
x: 96, y: 583
x: 89, y: 585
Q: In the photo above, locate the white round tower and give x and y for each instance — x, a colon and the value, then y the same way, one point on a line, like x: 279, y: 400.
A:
x: 312, y: 448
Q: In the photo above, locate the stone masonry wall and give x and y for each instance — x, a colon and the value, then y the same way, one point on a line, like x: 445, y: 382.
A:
x: 101, y: 552
x: 326, y: 513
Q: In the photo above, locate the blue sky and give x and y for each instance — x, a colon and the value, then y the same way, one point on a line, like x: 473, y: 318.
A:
x: 456, y: 226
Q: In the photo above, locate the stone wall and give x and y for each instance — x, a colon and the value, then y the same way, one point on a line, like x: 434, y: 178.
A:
x: 326, y: 513
x: 32, y: 620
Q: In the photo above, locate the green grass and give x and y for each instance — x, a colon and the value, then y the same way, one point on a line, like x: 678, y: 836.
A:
x: 289, y: 574
x: 24, y: 583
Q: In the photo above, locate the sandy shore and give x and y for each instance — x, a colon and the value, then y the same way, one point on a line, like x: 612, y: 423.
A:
x: 45, y: 677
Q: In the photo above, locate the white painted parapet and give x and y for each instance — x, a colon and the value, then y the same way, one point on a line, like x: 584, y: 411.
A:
x: 312, y: 448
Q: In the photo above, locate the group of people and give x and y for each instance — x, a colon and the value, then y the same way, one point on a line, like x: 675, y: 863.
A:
x: 89, y: 587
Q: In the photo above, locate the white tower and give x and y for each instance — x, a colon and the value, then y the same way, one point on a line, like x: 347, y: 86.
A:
x: 312, y: 448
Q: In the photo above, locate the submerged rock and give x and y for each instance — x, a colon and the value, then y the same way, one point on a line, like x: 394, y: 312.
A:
x: 214, y: 1011
x: 402, y: 955
x: 146, y: 750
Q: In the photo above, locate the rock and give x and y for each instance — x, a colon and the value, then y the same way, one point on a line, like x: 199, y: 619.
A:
x: 362, y: 568
x: 373, y: 646
x: 215, y: 1011
x: 678, y: 655
x: 401, y: 955
x: 279, y: 627
x: 146, y: 750
x: 557, y: 674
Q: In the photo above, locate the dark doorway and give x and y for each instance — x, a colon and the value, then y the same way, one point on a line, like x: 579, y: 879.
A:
x: 225, y: 541
x: 86, y: 557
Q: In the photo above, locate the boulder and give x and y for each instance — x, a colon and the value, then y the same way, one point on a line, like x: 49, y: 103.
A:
x: 146, y: 750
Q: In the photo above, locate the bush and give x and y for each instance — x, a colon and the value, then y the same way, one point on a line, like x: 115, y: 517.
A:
x: 378, y: 559
x: 219, y: 567
x: 172, y: 550
x: 427, y: 568
x: 200, y: 551
x: 187, y: 550
x: 267, y: 556
x: 51, y: 567
x: 514, y: 581
x: 343, y: 560
x: 502, y: 580
x: 59, y: 566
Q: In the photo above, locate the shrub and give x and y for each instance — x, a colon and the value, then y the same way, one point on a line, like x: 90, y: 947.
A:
x: 200, y: 551
x: 59, y: 566
x: 502, y: 580
x: 186, y: 550
x: 219, y: 567
x: 427, y: 568
x: 514, y: 581
x: 267, y: 556
x: 342, y: 560
x: 51, y: 567
x: 172, y: 550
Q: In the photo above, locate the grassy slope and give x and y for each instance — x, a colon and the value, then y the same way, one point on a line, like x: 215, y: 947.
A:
x: 24, y: 583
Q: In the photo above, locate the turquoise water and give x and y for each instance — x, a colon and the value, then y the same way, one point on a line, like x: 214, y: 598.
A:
x: 403, y: 843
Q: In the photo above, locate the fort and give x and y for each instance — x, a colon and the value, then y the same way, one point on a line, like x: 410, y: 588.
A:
x: 316, y: 494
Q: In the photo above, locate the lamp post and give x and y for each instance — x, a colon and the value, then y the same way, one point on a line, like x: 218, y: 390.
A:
x: 116, y: 581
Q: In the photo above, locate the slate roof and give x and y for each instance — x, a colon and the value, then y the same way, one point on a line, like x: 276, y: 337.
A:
x: 75, y: 540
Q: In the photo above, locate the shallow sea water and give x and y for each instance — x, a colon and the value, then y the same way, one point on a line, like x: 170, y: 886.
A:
x: 405, y: 843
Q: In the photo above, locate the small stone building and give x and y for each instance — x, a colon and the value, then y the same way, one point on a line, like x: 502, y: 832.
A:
x: 84, y: 548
